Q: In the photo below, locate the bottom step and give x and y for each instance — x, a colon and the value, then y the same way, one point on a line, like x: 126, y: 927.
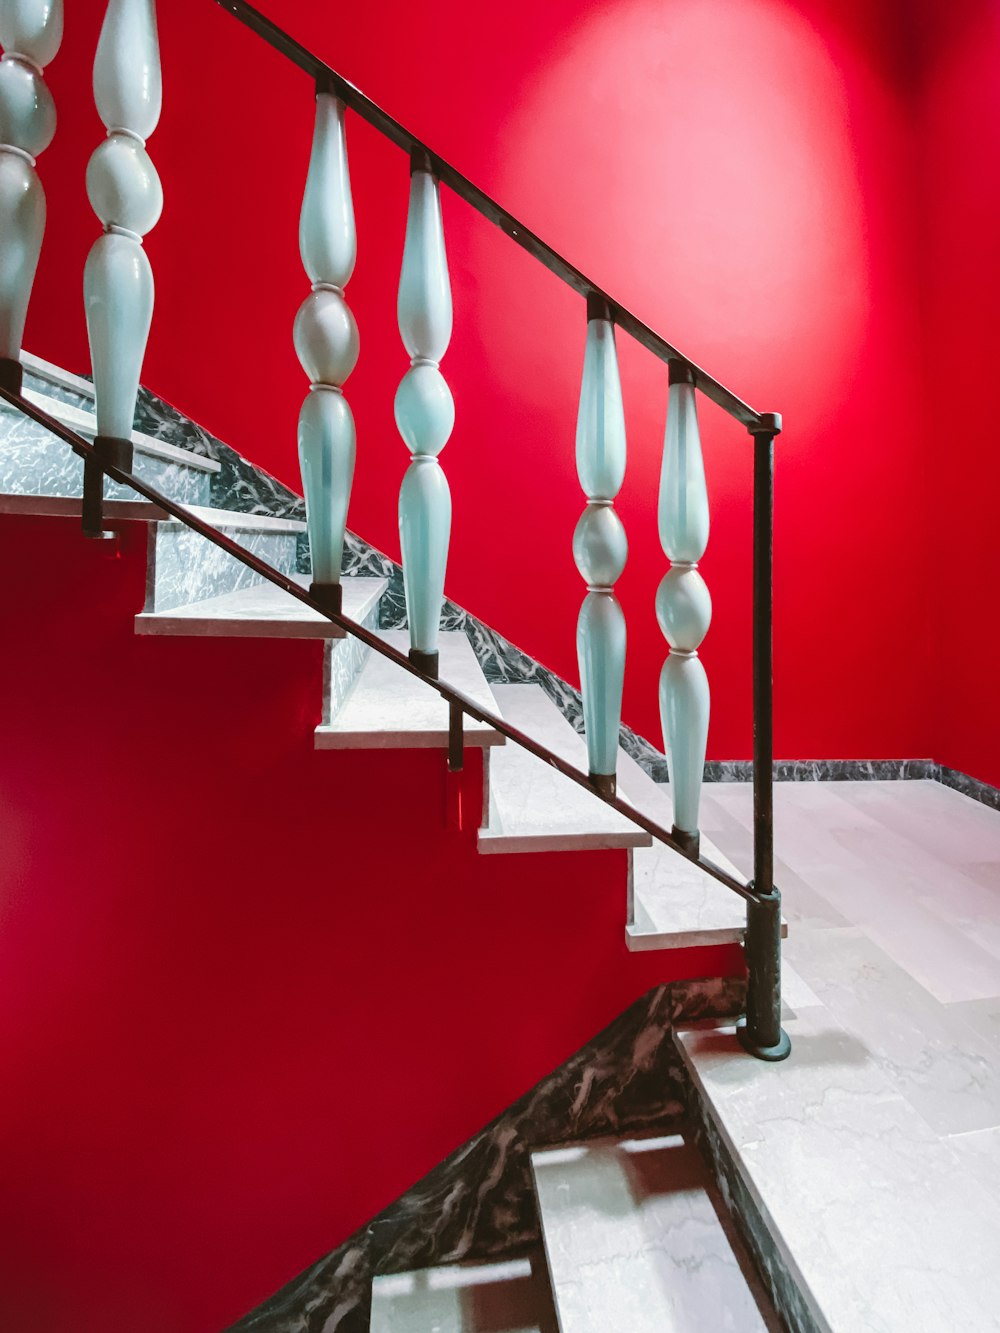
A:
x: 636, y: 1241
x: 507, y: 1297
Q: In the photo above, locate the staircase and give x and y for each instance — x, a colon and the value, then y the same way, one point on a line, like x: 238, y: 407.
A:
x: 635, y: 1234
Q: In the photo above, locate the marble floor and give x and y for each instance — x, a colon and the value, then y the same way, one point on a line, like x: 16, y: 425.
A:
x: 875, y: 1150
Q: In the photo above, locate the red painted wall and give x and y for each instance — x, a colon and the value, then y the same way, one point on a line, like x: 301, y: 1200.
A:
x: 960, y: 217
x: 743, y: 176
x: 250, y: 992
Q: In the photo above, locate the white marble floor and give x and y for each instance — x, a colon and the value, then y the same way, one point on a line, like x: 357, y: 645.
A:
x: 876, y: 1149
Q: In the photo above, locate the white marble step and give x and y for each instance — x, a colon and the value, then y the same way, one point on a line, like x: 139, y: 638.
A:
x: 534, y: 807
x: 85, y: 424
x: 48, y: 370
x: 881, y: 1225
x: 636, y: 1241
x: 505, y: 1297
x: 388, y: 708
x: 263, y: 611
x: 69, y: 506
x: 233, y: 521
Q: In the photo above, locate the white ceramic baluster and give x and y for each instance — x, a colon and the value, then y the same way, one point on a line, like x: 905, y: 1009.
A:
x: 600, y: 547
x: 125, y: 193
x: 683, y: 604
x: 326, y: 340
x: 30, y: 34
x: 425, y: 414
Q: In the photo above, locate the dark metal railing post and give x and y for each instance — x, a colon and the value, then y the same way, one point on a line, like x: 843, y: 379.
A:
x: 762, y: 1034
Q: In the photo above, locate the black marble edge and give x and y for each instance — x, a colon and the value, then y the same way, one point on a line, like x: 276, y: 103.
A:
x: 247, y: 488
x: 478, y: 1203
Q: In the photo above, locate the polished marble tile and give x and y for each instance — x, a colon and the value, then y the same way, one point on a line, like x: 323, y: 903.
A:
x: 506, y: 1297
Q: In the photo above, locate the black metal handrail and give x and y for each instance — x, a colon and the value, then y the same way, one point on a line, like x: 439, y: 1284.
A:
x: 456, y: 698
x: 330, y: 80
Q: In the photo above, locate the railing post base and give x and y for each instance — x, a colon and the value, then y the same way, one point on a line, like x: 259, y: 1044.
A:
x: 330, y: 597
x: 762, y: 1035
x: 606, y: 784
x: 689, y: 843
x: 116, y: 453
x: 11, y: 375
x: 427, y: 663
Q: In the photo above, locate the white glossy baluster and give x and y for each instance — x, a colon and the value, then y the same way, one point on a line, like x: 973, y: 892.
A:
x: 326, y: 340
x: 600, y: 547
x: 425, y: 414
x: 683, y: 604
x: 125, y: 193
x: 30, y: 34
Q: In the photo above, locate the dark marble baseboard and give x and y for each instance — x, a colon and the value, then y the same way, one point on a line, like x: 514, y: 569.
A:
x: 479, y: 1202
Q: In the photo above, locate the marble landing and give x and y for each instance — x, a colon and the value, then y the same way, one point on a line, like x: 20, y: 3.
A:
x: 868, y: 1164
x: 637, y: 1239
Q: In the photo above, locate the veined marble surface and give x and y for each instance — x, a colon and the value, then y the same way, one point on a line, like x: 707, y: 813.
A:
x: 637, y: 1238
x: 511, y: 1296
x: 866, y: 1168
x: 479, y: 1202
x: 184, y: 567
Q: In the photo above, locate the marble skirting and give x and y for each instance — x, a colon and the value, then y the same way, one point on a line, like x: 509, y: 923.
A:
x: 479, y: 1202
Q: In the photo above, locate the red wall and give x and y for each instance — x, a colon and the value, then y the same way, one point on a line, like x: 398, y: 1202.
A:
x: 960, y: 216
x: 743, y: 176
x: 250, y: 992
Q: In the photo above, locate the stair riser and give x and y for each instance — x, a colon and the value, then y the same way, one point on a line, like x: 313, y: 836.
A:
x: 343, y: 660
x: 33, y: 462
x: 184, y: 567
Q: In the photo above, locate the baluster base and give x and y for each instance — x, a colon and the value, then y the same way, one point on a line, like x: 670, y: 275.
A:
x: 780, y: 1051
x: 427, y: 663
x: 11, y: 374
x: 116, y: 453
x: 329, y: 596
x: 605, y: 784
x: 761, y: 1034
x: 689, y: 843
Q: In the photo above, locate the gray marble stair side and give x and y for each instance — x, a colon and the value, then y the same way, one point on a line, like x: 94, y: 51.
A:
x: 35, y: 462
x: 637, y: 1239
x: 183, y: 567
x: 263, y: 611
x: 535, y: 808
x: 383, y: 707
x: 509, y: 1296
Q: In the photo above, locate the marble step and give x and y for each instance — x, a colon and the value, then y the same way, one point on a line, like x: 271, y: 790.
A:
x: 865, y: 1218
x: 35, y: 462
x: 511, y: 1296
x: 638, y: 1239
x: 535, y: 808
x: 387, y: 708
x: 68, y: 506
x: 184, y: 567
x: 263, y: 611
x: 672, y: 903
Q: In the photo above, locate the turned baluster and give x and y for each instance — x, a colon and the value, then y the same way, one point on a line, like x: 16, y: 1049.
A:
x: 326, y: 340
x: 30, y: 34
x: 683, y: 605
x: 425, y: 413
x: 600, y: 546
x: 125, y: 193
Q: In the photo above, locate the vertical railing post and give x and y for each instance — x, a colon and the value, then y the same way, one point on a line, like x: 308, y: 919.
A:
x: 683, y: 605
x: 762, y: 1034
x: 30, y: 34
x: 326, y: 341
x: 125, y: 193
x: 425, y: 413
x: 600, y: 547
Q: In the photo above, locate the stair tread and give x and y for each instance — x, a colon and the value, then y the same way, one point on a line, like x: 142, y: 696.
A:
x: 85, y: 423
x: 533, y: 806
x: 235, y: 521
x: 263, y: 611
x: 635, y: 1241
x: 71, y: 506
x: 390, y: 708
x: 509, y: 1296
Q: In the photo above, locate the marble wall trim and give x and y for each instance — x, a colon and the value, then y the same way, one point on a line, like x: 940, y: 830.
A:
x: 479, y: 1202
